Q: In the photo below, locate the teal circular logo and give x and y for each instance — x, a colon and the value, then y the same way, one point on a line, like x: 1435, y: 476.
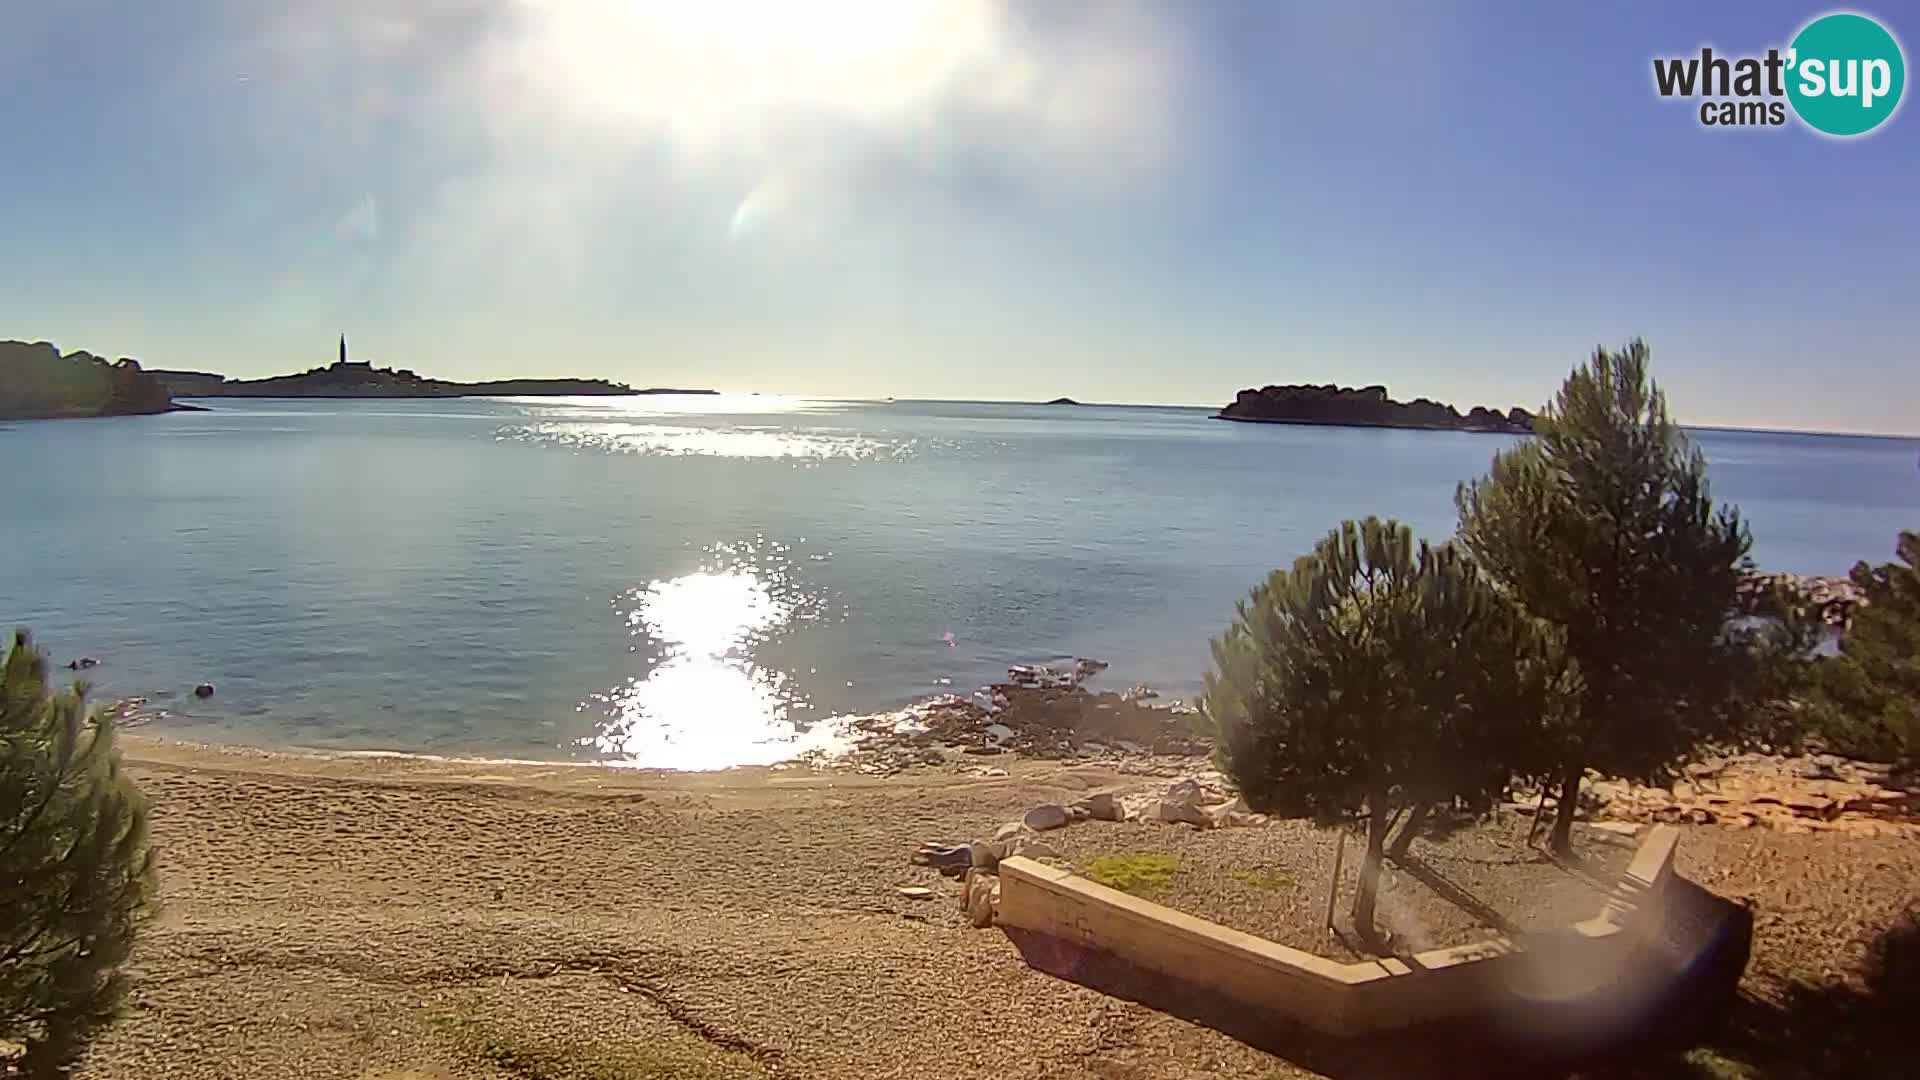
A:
x: 1845, y: 74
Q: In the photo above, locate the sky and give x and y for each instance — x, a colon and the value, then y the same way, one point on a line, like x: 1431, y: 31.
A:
x: 980, y: 199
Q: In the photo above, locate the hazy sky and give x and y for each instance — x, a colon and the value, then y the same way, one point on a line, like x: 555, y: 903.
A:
x: 921, y: 198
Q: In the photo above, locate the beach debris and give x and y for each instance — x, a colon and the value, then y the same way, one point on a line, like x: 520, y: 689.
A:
x: 82, y: 663
x: 1046, y: 676
x: 949, y: 859
x: 204, y: 690
x: 1139, y: 692
x: 1046, y: 816
x: 915, y: 892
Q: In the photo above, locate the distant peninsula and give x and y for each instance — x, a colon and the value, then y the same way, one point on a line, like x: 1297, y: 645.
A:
x: 1368, y: 406
x: 38, y: 383
x: 360, y: 379
x: 1063, y: 401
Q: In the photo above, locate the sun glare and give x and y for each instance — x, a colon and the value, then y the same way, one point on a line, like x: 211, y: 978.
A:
x: 729, y: 67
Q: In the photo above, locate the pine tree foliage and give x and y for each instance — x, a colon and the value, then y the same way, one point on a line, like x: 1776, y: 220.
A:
x: 1603, y: 527
x: 1374, y: 676
x: 1866, y: 700
x: 75, y: 868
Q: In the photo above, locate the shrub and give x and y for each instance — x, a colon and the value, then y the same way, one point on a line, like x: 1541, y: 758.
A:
x: 1377, y: 677
x: 75, y: 868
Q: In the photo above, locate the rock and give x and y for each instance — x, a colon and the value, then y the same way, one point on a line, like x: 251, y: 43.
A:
x: 1175, y: 811
x: 983, y: 892
x: 1621, y: 828
x: 1034, y: 848
x: 987, y: 854
x: 1139, y: 807
x: 998, y: 734
x: 915, y: 892
x: 1046, y: 816
x: 82, y: 663
x: 1076, y: 812
x: 204, y: 690
x: 1012, y: 830
x: 1101, y: 806
x: 1228, y: 814
x: 995, y: 771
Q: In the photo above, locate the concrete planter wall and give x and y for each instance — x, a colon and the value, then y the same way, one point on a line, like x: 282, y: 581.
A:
x: 1610, y: 971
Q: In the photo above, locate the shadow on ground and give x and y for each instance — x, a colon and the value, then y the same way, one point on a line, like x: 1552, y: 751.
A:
x: 1861, y: 1031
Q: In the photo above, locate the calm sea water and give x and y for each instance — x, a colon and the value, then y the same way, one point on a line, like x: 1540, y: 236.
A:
x: 693, y: 581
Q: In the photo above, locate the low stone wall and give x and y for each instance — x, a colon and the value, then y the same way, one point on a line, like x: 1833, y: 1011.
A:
x: 1605, y: 972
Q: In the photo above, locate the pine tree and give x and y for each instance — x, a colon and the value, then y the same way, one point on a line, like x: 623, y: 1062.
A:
x: 75, y: 868
x: 1373, y: 676
x: 1866, y: 700
x: 1602, y: 526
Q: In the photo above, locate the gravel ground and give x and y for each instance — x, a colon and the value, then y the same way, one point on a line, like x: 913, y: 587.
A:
x: 1272, y: 880
x: 401, y: 919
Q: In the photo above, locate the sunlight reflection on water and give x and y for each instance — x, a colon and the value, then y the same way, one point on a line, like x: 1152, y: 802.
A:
x: 678, y: 441
x: 707, y: 703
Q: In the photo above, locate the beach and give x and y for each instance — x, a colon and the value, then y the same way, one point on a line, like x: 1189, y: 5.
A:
x: 363, y: 917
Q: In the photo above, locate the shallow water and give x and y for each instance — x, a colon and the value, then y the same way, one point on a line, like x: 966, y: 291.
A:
x: 692, y: 581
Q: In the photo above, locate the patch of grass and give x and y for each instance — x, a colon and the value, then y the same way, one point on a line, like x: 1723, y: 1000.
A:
x: 1264, y: 878
x: 1712, y: 1064
x: 1137, y: 874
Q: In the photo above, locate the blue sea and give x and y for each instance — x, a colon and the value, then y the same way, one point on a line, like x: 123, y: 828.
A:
x: 702, y: 581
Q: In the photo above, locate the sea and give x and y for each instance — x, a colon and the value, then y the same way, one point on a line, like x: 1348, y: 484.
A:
x: 705, y: 581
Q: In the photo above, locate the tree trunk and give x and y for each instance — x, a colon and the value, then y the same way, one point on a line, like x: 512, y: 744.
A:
x: 1363, y: 899
x: 1416, y: 818
x: 1562, y: 841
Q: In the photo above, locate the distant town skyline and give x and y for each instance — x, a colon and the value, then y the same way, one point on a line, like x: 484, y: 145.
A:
x: 960, y: 199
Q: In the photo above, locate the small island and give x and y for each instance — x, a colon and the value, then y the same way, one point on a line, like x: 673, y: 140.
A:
x: 360, y: 379
x: 1368, y: 406
x: 1063, y: 401
x: 38, y: 383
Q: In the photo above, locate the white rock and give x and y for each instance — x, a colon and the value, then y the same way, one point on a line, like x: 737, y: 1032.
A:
x: 915, y: 892
x: 1102, y: 806
x: 1046, y: 816
x: 1139, y: 807
x: 998, y: 734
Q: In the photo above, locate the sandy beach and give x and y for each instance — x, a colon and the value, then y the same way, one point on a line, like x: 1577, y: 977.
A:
x: 384, y: 917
